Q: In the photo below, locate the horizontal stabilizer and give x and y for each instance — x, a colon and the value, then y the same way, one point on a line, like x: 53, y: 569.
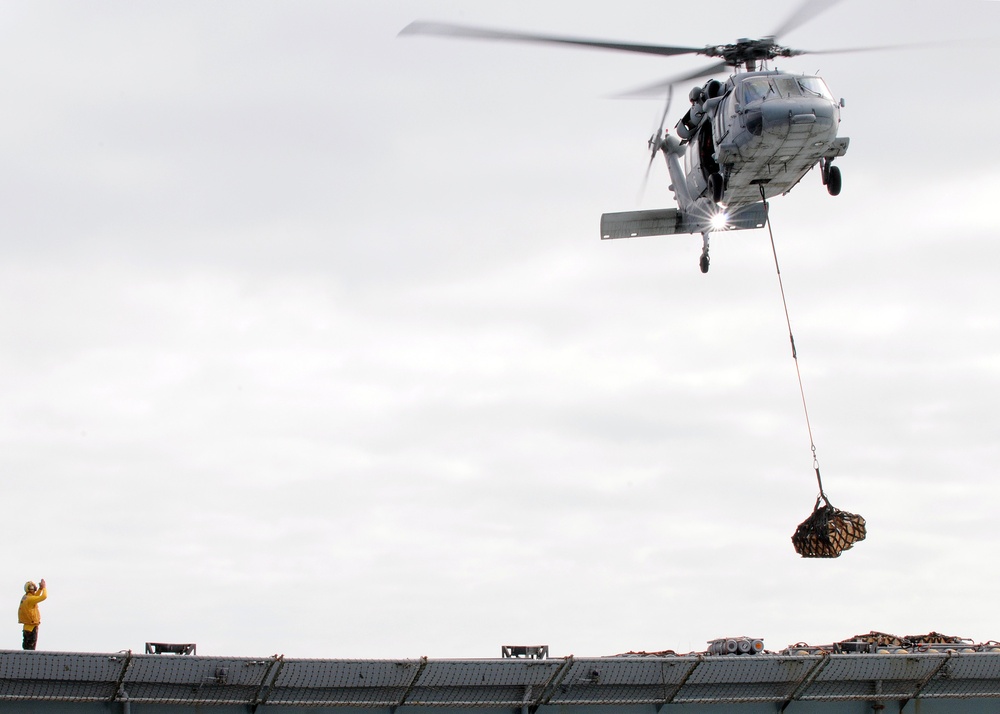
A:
x: 634, y: 224
x: 667, y: 221
x: 745, y: 217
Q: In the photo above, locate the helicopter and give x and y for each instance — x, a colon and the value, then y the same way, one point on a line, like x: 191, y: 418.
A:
x: 741, y: 142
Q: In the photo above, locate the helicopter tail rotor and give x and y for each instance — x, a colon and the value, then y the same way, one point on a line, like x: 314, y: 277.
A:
x: 656, y: 141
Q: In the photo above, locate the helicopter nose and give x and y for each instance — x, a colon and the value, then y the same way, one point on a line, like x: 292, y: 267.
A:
x: 801, y: 115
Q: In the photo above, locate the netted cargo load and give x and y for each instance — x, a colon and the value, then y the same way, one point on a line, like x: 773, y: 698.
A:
x: 828, y: 532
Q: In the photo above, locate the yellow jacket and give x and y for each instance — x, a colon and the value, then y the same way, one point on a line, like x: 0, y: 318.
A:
x: 27, y: 613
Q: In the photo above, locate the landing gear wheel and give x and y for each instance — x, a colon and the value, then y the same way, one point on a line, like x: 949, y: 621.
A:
x: 833, y: 180
x: 704, y: 262
x: 716, y: 186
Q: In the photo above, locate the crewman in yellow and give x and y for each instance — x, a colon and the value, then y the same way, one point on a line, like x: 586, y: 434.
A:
x: 27, y: 612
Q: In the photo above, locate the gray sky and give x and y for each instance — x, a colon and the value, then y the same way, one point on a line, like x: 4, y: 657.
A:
x: 311, y: 346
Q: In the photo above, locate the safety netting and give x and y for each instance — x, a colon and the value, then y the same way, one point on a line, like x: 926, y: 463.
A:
x: 500, y: 684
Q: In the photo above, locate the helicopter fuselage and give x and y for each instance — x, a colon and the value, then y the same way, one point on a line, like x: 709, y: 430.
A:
x: 759, y: 130
x: 741, y: 143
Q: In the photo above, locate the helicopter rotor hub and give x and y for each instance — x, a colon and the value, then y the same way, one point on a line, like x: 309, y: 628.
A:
x: 747, y: 50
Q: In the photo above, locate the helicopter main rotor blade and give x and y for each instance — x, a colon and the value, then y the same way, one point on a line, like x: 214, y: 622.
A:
x: 803, y: 14
x: 666, y: 85
x: 880, y: 48
x: 480, y: 33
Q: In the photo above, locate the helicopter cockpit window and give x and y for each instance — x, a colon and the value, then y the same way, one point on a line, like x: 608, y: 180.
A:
x: 755, y: 89
x: 815, y: 86
x: 787, y: 87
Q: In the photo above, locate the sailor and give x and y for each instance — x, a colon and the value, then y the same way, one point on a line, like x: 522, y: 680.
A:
x: 28, y: 614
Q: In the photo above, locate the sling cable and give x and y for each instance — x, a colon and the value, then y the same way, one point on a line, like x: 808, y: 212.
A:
x: 828, y: 531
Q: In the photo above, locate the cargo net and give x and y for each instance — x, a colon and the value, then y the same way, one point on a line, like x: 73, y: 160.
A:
x: 828, y: 532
